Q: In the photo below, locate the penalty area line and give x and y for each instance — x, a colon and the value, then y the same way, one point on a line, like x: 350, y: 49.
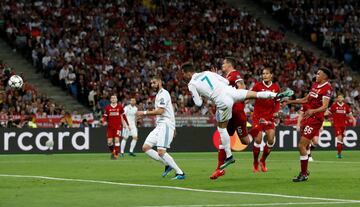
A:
x: 179, y: 188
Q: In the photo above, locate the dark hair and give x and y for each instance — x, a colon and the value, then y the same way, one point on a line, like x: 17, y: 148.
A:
x: 327, y: 71
x: 231, y: 60
x: 188, y: 67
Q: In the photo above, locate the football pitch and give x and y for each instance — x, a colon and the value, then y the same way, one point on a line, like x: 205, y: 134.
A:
x: 95, y: 180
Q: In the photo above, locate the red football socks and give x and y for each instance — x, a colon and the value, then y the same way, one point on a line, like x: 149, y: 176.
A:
x: 266, y: 153
x: 256, y: 152
x: 111, y: 148
x: 221, y: 157
x: 117, y: 150
x: 304, y: 164
x: 339, y: 147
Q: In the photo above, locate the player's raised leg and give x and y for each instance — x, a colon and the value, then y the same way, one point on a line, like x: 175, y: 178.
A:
x: 222, y: 117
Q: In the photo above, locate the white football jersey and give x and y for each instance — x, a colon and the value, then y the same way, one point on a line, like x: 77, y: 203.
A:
x: 208, y: 84
x: 130, y: 112
x: 163, y: 100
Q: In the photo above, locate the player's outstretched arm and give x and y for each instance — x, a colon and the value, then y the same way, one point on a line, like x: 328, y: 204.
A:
x: 195, y: 95
x: 157, y: 111
x: 297, y: 101
x: 300, y: 117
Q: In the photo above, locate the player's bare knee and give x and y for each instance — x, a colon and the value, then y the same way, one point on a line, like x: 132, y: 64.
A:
x: 161, y: 152
x: 222, y: 124
x: 258, y: 139
x: 245, y: 140
x: 271, y: 141
x: 117, y: 140
x: 109, y: 142
x: 315, y: 141
x: 146, y: 147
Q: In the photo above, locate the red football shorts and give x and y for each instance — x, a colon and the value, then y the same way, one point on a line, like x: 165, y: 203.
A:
x: 237, y: 123
x: 113, y: 132
x: 262, y: 126
x: 310, y: 128
x: 339, y: 131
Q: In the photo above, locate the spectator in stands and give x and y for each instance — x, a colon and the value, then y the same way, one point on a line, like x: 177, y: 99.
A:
x: 84, y: 123
x: 111, y: 51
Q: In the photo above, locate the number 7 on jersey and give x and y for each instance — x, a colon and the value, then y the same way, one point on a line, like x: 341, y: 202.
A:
x: 208, y: 81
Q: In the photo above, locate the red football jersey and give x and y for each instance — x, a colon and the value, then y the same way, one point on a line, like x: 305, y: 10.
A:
x: 113, y: 116
x: 233, y: 77
x: 339, y: 113
x: 304, y: 107
x: 316, y: 95
x: 265, y: 108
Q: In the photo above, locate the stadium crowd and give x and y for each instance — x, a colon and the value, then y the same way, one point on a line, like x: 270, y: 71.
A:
x: 97, y: 49
x: 332, y: 25
x: 18, y: 106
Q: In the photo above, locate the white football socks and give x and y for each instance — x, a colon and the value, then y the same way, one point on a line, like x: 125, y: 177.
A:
x: 172, y: 163
x: 265, y: 94
x: 122, y: 146
x: 132, y: 145
x: 225, y: 141
x: 154, y: 155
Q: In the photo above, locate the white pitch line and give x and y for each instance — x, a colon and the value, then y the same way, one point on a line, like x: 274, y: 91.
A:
x: 255, y: 204
x: 180, y: 188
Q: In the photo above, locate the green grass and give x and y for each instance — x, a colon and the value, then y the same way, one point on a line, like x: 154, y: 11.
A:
x: 330, y: 178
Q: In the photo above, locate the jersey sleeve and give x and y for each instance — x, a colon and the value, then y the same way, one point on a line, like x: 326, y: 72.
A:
x: 348, y: 110
x: 163, y: 100
x: 106, y: 113
x: 327, y: 93
x: 195, y: 95
x: 332, y: 109
x: 237, y: 77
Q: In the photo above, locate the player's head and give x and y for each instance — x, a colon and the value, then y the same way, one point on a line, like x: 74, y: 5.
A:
x: 113, y: 99
x: 188, y: 69
x: 267, y: 74
x: 228, y: 64
x: 156, y: 82
x: 323, y: 75
x: 340, y: 98
x: 132, y: 101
